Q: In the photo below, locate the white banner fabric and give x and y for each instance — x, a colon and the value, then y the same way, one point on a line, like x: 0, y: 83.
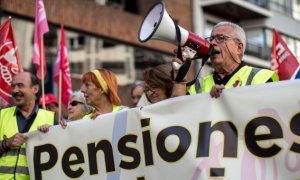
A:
x: 248, y: 133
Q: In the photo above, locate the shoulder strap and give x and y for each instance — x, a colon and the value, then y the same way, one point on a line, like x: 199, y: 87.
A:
x: 253, y: 72
x: 197, y: 86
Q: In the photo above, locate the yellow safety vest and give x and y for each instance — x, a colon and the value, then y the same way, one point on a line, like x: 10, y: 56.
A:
x: 247, y: 75
x: 9, y: 127
x: 115, y: 109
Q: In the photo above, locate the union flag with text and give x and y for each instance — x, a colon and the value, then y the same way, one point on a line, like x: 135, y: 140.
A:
x: 10, y: 63
x: 62, y: 69
x: 283, y: 60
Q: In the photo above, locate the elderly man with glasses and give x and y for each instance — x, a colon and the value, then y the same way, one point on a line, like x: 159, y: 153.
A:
x: 229, y: 44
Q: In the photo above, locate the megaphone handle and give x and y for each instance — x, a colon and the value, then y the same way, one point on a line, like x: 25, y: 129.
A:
x: 179, y: 53
x: 183, y: 70
x: 178, y: 35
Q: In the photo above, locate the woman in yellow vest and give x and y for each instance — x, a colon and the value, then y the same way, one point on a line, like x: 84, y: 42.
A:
x: 100, y: 89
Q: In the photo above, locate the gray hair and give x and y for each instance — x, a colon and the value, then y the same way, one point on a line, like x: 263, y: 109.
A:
x: 78, y: 94
x: 237, y: 30
x: 136, y: 84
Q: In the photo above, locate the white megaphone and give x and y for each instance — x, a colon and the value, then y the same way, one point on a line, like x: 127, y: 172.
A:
x: 158, y: 25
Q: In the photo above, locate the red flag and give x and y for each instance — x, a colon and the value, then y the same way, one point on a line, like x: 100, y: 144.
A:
x: 62, y: 66
x: 10, y: 62
x: 40, y: 28
x: 284, y: 62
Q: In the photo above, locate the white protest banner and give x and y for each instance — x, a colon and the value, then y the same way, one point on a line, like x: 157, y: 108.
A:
x: 248, y: 133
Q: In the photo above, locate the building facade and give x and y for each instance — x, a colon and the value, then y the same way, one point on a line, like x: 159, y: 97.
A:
x: 104, y: 33
x: 99, y: 33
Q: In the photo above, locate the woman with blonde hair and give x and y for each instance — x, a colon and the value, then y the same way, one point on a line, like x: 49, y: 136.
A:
x: 100, y: 89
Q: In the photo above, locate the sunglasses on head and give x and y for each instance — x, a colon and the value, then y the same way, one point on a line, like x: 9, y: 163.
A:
x: 75, y: 103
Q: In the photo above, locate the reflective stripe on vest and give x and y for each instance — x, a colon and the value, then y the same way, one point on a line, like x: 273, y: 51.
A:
x: 253, y: 72
x: 13, y: 157
x: 10, y: 170
x: 14, y: 152
x: 194, y: 88
x: 240, y: 78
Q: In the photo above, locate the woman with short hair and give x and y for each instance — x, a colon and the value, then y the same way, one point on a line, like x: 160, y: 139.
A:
x: 100, y: 89
x: 77, y: 107
x: 158, y: 83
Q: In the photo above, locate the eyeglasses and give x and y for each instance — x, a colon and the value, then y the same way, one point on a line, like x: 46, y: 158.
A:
x: 75, y: 103
x: 220, y: 38
x: 148, y: 89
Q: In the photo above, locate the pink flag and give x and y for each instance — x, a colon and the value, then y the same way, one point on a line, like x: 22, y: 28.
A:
x: 284, y: 62
x: 40, y: 28
x: 62, y: 66
x: 10, y: 62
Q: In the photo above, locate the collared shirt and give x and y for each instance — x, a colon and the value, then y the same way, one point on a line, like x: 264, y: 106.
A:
x: 22, y: 121
x: 218, y: 80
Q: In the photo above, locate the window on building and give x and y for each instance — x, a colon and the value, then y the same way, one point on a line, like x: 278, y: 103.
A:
x: 261, y: 3
x: 76, y: 67
x: 290, y: 43
x: 296, y: 9
x: 208, y: 28
x: 256, y: 43
x: 77, y: 43
x: 116, y: 67
x: 50, y: 38
x: 297, y: 54
x: 259, y: 43
x: 283, y: 6
x: 126, y: 5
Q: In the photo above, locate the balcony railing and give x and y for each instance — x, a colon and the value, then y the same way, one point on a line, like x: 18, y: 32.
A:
x: 258, y: 51
x: 286, y: 6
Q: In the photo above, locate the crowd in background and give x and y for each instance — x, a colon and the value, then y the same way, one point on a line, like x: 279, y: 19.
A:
x: 98, y: 94
x: 99, y: 90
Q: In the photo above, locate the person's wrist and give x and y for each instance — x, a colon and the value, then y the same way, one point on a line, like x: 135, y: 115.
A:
x: 184, y: 82
x: 4, y: 145
x: 179, y: 89
x: 1, y: 147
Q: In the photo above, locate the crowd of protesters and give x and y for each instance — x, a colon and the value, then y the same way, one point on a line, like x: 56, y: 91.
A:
x: 99, y: 94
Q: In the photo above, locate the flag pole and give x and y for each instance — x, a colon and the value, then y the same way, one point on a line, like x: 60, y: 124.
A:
x: 42, y: 71
x: 62, y: 75
x: 16, y: 48
x: 59, y: 96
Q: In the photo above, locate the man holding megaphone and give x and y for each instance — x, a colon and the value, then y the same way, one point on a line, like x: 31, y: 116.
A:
x: 229, y: 44
x: 225, y: 48
x: 158, y: 25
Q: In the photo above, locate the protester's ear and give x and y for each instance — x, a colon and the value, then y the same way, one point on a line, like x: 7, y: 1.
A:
x: 240, y: 47
x: 35, y: 89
